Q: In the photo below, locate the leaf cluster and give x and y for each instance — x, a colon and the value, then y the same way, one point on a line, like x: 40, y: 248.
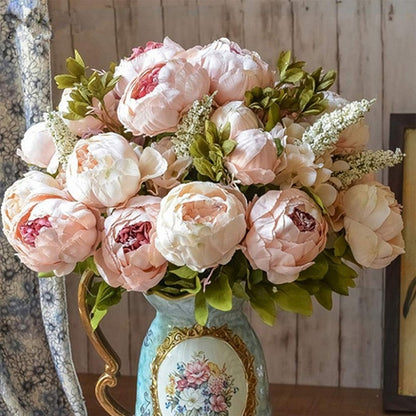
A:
x: 298, y: 92
x: 208, y: 151
x: 330, y: 273
x: 100, y: 297
x: 84, y: 87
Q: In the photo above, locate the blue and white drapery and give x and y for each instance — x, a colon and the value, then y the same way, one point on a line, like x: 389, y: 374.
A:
x: 37, y: 376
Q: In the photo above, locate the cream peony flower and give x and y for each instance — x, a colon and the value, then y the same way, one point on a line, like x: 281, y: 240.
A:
x: 232, y: 70
x: 127, y: 256
x: 104, y: 170
x: 373, y: 224
x: 286, y: 232
x: 54, y: 234
x: 200, y: 225
x: 353, y: 139
x: 154, y: 101
x: 238, y: 115
x: 254, y: 160
x: 37, y: 146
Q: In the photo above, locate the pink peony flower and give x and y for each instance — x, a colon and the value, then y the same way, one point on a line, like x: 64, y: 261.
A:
x: 37, y: 146
x: 54, y: 234
x: 286, y: 232
x: 154, y: 101
x: 200, y: 225
x: 33, y: 187
x: 373, y: 224
x: 353, y: 139
x: 238, y: 115
x: 218, y: 404
x: 182, y: 384
x: 216, y: 385
x: 254, y: 160
x: 143, y: 58
x: 197, y: 372
x: 127, y: 256
x: 232, y: 70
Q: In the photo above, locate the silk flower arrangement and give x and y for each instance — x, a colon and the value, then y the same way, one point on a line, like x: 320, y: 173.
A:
x: 204, y: 173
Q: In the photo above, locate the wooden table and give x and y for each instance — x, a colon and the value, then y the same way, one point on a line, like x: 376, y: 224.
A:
x: 286, y: 400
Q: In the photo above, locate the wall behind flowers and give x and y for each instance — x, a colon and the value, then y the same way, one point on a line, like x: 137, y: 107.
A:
x: 371, y: 45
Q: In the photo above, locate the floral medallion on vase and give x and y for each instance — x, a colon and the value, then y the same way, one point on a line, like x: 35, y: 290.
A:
x: 201, y: 371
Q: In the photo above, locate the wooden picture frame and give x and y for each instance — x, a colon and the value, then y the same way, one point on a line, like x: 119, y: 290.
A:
x: 399, y: 390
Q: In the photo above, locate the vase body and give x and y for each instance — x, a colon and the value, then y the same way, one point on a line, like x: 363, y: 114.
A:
x: 186, y: 369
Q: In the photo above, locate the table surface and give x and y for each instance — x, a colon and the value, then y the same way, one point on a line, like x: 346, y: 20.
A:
x: 286, y: 400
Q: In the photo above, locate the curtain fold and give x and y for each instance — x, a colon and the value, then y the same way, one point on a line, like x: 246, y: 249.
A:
x: 37, y: 376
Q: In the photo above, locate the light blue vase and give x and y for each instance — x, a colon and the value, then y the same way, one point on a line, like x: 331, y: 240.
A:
x: 189, y: 370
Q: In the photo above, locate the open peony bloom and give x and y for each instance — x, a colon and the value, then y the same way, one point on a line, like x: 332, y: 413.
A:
x: 37, y: 146
x: 238, y: 115
x: 153, y: 102
x: 54, y: 234
x: 286, y: 232
x: 353, y: 139
x: 127, y: 256
x: 373, y: 224
x: 104, y: 171
x: 33, y: 187
x: 200, y: 225
x: 232, y: 70
x: 254, y: 160
x: 143, y: 58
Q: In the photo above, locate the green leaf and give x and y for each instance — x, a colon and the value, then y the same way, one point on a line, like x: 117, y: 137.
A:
x: 75, y: 68
x: 79, y: 59
x: 315, y: 197
x: 97, y: 317
x: 219, y: 294
x: 185, y: 272
x: 340, y: 278
x: 324, y: 296
x: 283, y: 61
x: 410, y: 297
x: 318, y: 270
x: 199, y: 147
x: 256, y: 276
x: 87, y: 264
x: 46, y: 274
x: 292, y: 298
x: 228, y: 146
x: 273, y: 116
x: 65, y: 81
x: 239, y: 292
x: 201, y: 308
x: 225, y: 132
x: 293, y: 75
x: 340, y: 246
x: 280, y: 148
x: 263, y: 304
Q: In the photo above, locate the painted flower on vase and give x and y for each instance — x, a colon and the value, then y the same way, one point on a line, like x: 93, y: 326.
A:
x: 200, y: 387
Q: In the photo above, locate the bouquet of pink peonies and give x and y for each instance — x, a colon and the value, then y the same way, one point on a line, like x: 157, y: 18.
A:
x: 204, y: 172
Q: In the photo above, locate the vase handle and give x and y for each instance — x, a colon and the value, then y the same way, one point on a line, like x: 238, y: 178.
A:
x: 112, y: 361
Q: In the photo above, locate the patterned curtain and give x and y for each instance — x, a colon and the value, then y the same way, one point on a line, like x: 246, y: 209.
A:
x: 37, y: 376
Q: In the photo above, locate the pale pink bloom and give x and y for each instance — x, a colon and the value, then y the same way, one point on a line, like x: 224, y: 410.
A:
x: 289, y: 131
x: 154, y: 101
x: 353, y: 139
x: 373, y: 224
x: 127, y: 256
x: 286, y: 232
x: 200, y: 225
x: 232, y: 70
x: 238, y: 115
x: 218, y: 404
x: 55, y: 234
x: 37, y: 146
x: 80, y: 127
x: 104, y: 170
x: 197, y: 372
x: 182, y: 384
x: 143, y: 58
x: 177, y: 167
x: 216, y: 385
x: 254, y: 160
x: 33, y: 187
